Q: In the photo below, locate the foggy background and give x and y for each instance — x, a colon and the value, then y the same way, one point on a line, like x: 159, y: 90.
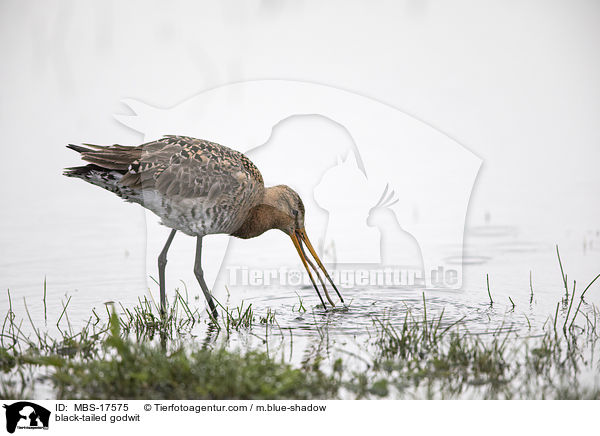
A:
x: 514, y: 82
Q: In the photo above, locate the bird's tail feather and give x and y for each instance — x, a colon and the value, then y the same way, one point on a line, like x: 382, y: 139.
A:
x: 113, y: 157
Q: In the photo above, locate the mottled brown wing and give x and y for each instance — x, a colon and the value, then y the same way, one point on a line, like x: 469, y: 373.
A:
x: 193, y: 168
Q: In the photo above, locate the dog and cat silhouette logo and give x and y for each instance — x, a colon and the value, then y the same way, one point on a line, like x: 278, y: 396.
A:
x: 384, y: 189
x: 26, y: 415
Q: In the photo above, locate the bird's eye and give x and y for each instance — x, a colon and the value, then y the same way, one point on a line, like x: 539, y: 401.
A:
x: 295, y: 212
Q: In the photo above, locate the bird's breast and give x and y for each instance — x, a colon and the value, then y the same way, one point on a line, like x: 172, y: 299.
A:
x: 199, y: 216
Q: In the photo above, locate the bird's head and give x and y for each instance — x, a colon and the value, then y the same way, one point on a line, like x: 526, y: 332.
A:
x: 288, y: 208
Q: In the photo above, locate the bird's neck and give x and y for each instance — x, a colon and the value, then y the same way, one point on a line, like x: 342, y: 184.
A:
x: 266, y: 215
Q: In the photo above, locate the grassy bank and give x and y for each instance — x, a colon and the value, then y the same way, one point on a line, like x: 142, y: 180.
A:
x: 133, y: 353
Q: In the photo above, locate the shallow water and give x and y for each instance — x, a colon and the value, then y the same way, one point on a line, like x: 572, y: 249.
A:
x: 82, y: 263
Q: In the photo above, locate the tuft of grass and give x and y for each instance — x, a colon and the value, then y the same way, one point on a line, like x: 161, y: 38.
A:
x: 301, y: 307
x: 563, y: 275
x: 268, y: 318
x: 145, y: 320
x: 530, y: 288
x: 7, y: 360
x: 129, y: 370
x: 425, y: 360
x: 234, y: 319
x: 487, y: 279
x: 44, y: 301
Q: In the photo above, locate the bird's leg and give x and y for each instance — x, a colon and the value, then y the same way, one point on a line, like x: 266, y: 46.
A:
x: 162, y: 263
x: 200, y: 276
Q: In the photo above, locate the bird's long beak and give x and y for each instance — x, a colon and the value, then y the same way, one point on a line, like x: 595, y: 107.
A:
x: 298, y: 237
x: 305, y: 239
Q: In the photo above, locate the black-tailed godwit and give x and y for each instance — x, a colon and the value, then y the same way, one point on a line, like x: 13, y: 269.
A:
x: 199, y: 188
